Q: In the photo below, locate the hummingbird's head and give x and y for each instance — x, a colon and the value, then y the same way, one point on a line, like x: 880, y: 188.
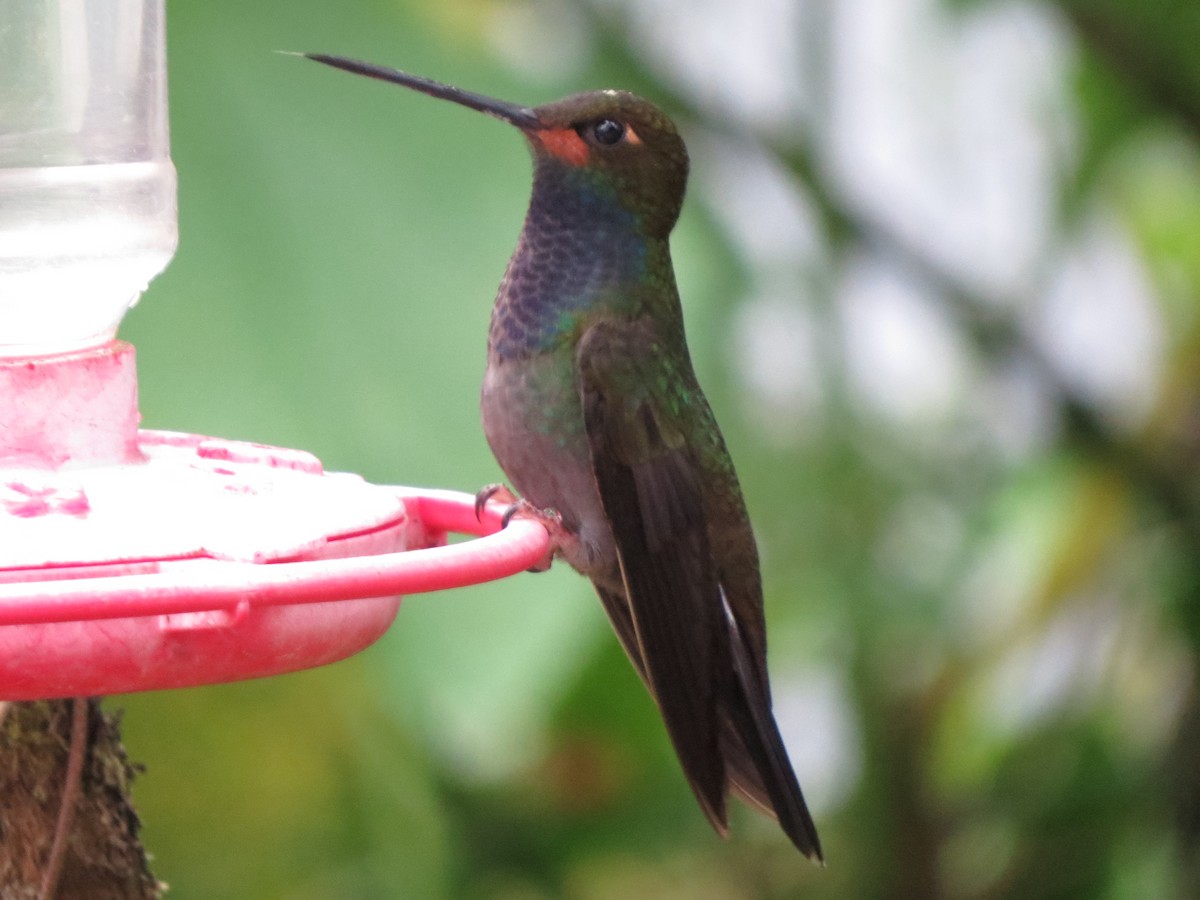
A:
x: 616, y: 137
x: 624, y: 141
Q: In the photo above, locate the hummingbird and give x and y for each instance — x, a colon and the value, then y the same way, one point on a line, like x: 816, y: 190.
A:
x: 593, y: 411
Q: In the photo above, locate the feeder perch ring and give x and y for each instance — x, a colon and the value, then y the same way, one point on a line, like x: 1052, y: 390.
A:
x: 179, y: 623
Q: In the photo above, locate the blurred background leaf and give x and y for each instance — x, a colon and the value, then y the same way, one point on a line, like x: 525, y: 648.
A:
x: 940, y: 266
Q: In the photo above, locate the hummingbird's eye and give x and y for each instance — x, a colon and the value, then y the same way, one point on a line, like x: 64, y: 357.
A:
x: 608, y: 132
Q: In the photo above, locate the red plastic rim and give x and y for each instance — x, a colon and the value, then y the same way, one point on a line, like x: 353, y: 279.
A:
x: 203, y: 585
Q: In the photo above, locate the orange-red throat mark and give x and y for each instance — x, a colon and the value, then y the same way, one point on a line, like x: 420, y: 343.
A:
x: 565, y: 143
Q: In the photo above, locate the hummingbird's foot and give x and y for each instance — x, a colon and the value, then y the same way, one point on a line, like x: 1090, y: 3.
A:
x: 496, y: 491
x: 550, y: 519
x: 521, y: 508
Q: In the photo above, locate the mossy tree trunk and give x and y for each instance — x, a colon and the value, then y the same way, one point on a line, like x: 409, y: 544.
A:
x: 67, y: 827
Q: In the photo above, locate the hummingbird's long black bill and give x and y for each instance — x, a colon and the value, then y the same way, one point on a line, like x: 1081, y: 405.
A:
x: 521, y: 116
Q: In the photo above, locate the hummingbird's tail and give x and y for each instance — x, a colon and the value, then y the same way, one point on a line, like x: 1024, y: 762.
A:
x: 755, y: 759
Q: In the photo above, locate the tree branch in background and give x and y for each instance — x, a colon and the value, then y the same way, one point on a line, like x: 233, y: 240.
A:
x: 1147, y: 66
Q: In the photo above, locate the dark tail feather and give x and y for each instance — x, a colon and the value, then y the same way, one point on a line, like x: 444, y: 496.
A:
x: 756, y: 761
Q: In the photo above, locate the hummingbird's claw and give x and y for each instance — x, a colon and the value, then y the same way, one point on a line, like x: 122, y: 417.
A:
x: 547, y: 518
x: 550, y: 519
x: 488, y: 492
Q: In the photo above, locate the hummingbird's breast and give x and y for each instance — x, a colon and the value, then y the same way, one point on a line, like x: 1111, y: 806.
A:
x: 533, y: 421
x: 579, y: 253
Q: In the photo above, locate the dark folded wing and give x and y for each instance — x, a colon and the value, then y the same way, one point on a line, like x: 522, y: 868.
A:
x: 651, y: 492
x: 701, y: 655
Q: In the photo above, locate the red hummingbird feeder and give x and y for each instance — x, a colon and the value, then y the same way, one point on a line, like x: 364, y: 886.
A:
x: 133, y: 559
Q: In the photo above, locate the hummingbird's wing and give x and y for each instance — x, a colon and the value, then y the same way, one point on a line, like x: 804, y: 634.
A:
x: 701, y: 653
x: 650, y: 489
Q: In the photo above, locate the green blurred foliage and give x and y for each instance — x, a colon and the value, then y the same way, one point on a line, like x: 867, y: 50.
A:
x: 340, y: 245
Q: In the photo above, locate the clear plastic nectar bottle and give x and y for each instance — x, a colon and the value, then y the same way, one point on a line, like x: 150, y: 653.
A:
x: 87, y: 188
